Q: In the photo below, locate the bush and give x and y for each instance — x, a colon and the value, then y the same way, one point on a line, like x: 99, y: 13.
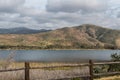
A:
x: 114, y: 67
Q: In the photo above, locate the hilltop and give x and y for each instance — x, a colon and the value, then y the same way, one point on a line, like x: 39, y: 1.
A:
x: 85, y: 36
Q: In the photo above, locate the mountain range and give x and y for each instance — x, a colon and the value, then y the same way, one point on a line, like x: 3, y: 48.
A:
x: 21, y: 30
x: 86, y: 36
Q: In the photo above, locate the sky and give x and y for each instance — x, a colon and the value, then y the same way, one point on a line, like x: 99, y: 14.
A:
x: 53, y: 14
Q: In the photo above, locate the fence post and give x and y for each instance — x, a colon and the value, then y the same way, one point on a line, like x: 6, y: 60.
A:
x: 91, y: 69
x: 27, y: 66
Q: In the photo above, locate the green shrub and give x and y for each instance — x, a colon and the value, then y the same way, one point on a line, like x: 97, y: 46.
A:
x: 114, y: 67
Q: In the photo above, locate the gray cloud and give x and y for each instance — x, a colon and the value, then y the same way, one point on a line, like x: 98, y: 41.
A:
x: 10, y: 5
x: 59, y: 13
x: 76, y: 5
x: 27, y: 11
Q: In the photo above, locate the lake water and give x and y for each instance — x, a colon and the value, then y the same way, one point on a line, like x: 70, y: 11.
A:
x: 58, y: 55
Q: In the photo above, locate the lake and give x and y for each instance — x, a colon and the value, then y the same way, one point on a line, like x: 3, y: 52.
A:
x: 58, y: 55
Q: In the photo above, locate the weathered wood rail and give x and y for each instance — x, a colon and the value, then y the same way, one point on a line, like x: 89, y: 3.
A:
x: 91, y: 64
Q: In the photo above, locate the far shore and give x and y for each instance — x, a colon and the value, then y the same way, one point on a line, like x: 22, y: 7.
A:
x: 52, y: 49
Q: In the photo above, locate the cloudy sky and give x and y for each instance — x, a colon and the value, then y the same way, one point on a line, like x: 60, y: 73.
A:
x: 53, y: 14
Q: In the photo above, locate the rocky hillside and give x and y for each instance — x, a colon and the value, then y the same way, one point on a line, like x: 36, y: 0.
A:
x: 78, y: 37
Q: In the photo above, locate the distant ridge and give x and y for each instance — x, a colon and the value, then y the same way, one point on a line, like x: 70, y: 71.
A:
x: 21, y: 30
x: 85, y: 36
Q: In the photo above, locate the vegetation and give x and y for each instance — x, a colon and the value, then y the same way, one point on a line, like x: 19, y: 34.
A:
x: 76, y: 79
x: 109, y: 78
x: 80, y: 37
x: 109, y: 68
x: 42, y: 74
x: 114, y: 67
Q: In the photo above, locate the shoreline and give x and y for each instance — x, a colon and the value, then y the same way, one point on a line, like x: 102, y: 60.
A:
x: 55, y: 49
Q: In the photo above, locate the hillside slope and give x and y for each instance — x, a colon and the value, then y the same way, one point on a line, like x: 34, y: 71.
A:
x: 85, y: 36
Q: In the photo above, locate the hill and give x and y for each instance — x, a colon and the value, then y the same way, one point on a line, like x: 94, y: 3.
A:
x: 85, y: 36
x: 21, y: 30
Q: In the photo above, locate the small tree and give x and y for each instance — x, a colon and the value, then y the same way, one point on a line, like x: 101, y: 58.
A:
x: 114, y: 67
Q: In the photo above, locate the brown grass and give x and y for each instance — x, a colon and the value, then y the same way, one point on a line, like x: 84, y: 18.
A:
x: 42, y: 74
x: 110, y: 78
x: 46, y: 74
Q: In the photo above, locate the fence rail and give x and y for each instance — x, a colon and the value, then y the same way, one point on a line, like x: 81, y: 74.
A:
x: 91, y: 64
x: 12, y: 70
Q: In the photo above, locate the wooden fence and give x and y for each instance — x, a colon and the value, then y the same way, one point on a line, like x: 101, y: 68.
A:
x: 91, y: 64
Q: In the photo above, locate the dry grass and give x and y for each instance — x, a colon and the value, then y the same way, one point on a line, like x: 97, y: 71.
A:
x: 110, y: 78
x: 46, y: 74
x: 43, y: 74
x: 14, y: 75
